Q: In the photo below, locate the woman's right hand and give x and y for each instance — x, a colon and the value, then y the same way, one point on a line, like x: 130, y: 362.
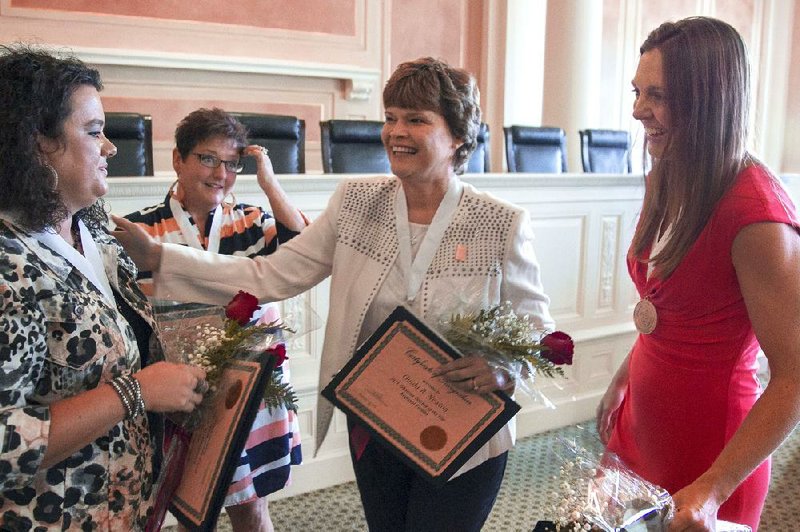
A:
x: 264, y: 171
x: 608, y: 409
x: 170, y: 387
x: 142, y: 248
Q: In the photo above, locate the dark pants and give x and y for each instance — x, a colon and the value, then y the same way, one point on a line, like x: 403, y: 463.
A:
x: 396, y: 498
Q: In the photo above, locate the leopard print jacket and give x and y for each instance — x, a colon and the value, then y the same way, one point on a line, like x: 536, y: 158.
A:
x: 59, y: 337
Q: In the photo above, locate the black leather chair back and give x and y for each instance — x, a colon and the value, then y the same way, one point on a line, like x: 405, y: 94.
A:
x: 536, y: 149
x: 606, y: 151
x: 479, y: 160
x: 132, y: 134
x: 353, y: 147
x: 284, y: 137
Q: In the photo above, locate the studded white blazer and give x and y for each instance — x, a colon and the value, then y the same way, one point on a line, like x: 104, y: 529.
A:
x: 354, y: 241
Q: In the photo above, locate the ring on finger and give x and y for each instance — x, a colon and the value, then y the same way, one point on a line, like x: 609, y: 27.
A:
x: 201, y: 387
x: 264, y: 150
x: 474, y: 384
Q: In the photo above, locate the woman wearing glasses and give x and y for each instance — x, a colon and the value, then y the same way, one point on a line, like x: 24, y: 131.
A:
x: 195, y: 213
x: 209, y: 144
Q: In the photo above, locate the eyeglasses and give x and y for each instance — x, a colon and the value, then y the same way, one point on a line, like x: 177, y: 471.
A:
x: 211, y: 161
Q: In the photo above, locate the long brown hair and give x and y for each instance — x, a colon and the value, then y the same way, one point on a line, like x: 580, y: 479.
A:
x: 707, y: 85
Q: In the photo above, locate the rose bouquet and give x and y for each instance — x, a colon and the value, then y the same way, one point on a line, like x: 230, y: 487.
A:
x: 210, y: 337
x: 213, y: 337
x: 511, y: 342
x: 596, y: 491
x: 242, y: 334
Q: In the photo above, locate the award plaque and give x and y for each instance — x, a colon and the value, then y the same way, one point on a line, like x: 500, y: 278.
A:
x: 389, y: 388
x: 217, y: 443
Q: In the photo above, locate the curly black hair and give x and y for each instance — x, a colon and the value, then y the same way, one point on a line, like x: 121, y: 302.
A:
x: 35, y: 91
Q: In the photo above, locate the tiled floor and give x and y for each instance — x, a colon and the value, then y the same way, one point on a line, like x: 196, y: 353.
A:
x: 524, y: 494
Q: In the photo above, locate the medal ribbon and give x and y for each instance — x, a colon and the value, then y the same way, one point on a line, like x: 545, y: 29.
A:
x: 414, y: 271
x: 90, y: 264
x: 190, y: 232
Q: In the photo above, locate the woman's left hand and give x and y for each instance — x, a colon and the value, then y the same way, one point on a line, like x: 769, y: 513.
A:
x: 695, y: 510
x: 474, y: 375
x: 264, y: 171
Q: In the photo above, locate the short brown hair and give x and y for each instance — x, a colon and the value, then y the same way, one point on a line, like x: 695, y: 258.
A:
x: 204, y: 124
x: 433, y: 85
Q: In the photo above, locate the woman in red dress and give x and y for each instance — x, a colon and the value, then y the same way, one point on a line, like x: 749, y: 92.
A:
x: 715, y: 260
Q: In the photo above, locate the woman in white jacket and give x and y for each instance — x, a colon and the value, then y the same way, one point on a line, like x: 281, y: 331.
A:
x: 420, y: 238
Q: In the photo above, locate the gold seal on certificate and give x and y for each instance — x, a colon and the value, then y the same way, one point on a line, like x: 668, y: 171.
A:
x: 645, y: 316
x: 389, y: 388
x: 216, y: 445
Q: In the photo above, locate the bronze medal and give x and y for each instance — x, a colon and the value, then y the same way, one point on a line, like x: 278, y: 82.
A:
x: 645, y: 316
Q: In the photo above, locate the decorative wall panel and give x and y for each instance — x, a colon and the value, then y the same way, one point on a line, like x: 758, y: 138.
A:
x: 562, y: 270
x: 609, y: 253
x: 341, y: 31
x: 331, y: 16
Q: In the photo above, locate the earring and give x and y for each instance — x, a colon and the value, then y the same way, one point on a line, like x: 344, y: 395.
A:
x: 231, y: 201
x: 54, y: 174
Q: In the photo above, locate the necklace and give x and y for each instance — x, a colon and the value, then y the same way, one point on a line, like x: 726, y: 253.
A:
x: 645, y: 315
x: 417, y: 232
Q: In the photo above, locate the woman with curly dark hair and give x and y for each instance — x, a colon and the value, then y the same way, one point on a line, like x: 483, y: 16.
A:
x: 77, y: 447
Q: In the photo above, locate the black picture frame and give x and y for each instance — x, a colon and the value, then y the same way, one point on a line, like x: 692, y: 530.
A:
x: 203, y: 518
x: 401, y: 320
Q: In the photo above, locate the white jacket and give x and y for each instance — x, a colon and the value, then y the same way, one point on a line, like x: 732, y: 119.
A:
x: 355, y: 242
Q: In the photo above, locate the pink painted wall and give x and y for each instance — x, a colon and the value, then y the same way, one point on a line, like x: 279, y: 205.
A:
x: 435, y: 28
x: 329, y: 16
x: 654, y: 13
x: 473, y: 48
x: 740, y: 14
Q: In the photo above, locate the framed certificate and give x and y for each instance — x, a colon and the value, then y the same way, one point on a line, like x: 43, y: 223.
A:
x: 217, y: 443
x: 388, y: 386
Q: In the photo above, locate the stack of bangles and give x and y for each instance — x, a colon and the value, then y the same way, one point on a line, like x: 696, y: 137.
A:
x: 130, y: 393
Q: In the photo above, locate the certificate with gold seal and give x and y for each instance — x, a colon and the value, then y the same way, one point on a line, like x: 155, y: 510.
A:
x: 388, y: 386
x: 217, y: 443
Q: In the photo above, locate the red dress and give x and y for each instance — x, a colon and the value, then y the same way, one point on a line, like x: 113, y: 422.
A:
x: 693, y: 379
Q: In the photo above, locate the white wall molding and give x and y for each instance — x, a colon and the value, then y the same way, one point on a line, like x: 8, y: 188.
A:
x: 110, y: 39
x: 359, y: 80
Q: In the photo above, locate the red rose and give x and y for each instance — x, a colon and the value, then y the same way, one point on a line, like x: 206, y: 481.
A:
x: 558, y: 348
x: 279, y: 352
x: 241, y: 308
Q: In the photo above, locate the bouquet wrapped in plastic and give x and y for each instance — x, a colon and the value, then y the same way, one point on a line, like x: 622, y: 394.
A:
x: 596, y: 491
x: 510, y: 342
x: 210, y: 336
